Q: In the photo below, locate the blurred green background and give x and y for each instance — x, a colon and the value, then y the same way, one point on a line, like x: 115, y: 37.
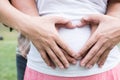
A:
x: 7, y: 54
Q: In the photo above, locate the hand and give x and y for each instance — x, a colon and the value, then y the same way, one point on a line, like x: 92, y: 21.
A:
x: 43, y: 34
x: 100, y: 43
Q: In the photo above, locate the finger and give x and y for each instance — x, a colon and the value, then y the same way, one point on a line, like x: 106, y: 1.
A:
x: 95, y: 59
x: 103, y: 58
x: 69, y: 58
x: 65, y: 47
x: 87, y: 47
x: 62, y: 20
x: 96, y: 51
x: 43, y: 54
x: 68, y: 25
x: 52, y: 63
x: 93, y: 28
x: 82, y: 23
x: 91, y: 54
x: 54, y: 58
x: 96, y: 18
x: 45, y: 57
x: 58, y: 52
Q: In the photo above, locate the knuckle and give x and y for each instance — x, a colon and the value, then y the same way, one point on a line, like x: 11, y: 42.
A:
x: 60, y: 55
x: 99, y: 35
x: 52, y: 56
x: 48, y: 41
x: 106, y: 46
x: 93, y: 52
x: 104, y: 39
x: 97, y: 56
x: 52, y: 36
x: 110, y: 48
x: 90, y: 43
x: 87, y: 46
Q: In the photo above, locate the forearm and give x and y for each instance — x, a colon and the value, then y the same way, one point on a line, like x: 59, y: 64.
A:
x: 113, y: 8
x: 27, y: 6
x: 11, y: 16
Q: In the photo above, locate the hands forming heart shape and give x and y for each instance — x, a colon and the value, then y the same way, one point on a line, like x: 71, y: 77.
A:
x: 105, y: 35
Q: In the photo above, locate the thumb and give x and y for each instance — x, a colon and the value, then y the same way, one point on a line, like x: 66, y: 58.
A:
x: 63, y: 22
x: 91, y: 19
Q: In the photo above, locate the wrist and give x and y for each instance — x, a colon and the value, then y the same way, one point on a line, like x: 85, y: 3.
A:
x: 23, y: 24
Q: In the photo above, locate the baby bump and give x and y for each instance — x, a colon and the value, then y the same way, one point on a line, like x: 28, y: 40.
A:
x: 75, y: 38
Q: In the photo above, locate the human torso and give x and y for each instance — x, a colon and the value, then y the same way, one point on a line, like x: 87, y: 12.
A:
x: 75, y: 38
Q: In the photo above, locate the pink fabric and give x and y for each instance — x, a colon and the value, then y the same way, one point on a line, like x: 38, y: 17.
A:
x: 113, y: 74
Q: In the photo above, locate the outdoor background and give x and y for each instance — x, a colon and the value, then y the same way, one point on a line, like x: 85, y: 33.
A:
x: 7, y: 54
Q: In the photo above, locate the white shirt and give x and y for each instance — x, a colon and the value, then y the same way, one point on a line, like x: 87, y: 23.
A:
x: 75, y: 38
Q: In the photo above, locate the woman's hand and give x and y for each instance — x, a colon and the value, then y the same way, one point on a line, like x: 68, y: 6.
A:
x: 100, y: 43
x: 42, y: 32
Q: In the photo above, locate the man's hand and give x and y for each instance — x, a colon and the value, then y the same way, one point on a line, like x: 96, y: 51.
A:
x: 100, y: 43
x: 47, y: 41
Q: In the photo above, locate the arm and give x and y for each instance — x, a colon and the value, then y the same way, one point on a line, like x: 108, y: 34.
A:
x: 104, y: 38
x: 114, y: 8
x: 29, y: 7
x: 40, y: 30
x: 10, y: 14
x: 26, y: 6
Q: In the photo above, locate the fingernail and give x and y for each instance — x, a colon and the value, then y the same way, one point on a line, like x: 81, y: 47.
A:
x: 100, y: 66
x: 61, y: 67
x: 74, y: 62
x: 53, y: 67
x: 67, y: 65
x: 82, y: 64
x: 74, y: 55
x: 89, y: 66
x: 49, y: 65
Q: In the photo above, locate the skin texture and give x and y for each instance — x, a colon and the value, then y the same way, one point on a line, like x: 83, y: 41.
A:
x: 104, y: 38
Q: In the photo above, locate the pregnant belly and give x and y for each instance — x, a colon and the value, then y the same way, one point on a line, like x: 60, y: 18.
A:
x: 75, y: 38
